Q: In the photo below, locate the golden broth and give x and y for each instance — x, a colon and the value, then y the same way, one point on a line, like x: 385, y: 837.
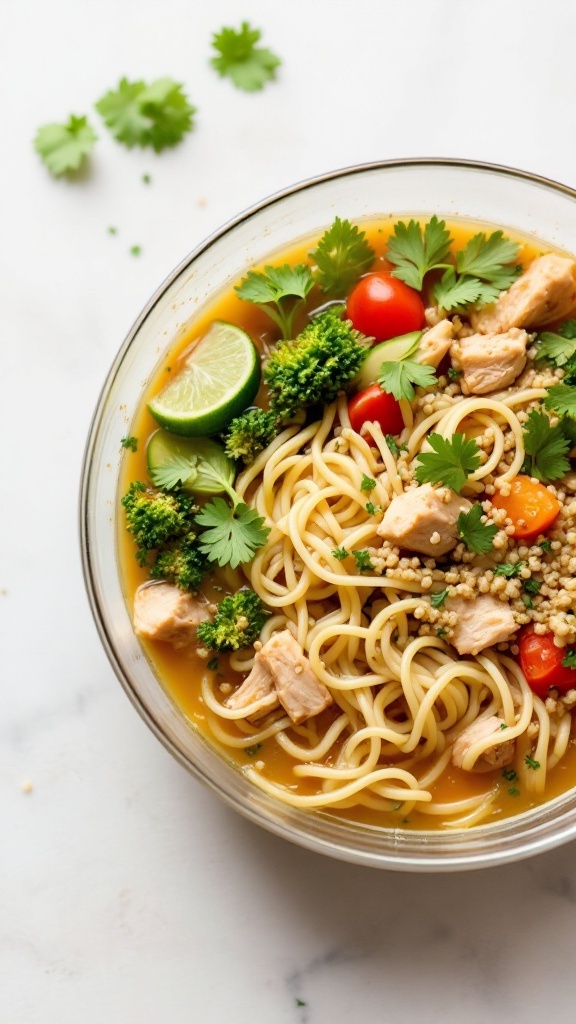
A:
x: 180, y: 672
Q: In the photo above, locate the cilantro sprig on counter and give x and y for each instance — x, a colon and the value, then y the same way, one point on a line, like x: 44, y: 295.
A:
x: 484, y: 267
x: 342, y: 255
x: 546, y: 448
x: 477, y: 536
x: 450, y: 462
x: 65, y: 147
x: 248, y: 66
x: 156, y: 115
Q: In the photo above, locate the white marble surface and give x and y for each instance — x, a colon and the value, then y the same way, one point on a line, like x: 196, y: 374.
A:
x: 129, y: 893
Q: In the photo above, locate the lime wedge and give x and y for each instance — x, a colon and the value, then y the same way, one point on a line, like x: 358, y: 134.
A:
x: 218, y: 380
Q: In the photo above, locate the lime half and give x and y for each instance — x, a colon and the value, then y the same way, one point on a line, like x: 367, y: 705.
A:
x: 218, y: 380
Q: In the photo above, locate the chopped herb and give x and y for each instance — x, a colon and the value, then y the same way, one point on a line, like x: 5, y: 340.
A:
x: 546, y: 546
x: 441, y: 633
x: 514, y: 791
x: 509, y: 774
x: 250, y: 751
x: 529, y: 603
x: 342, y: 255
x: 340, y: 553
x: 249, y: 66
x: 368, y: 483
x: 531, y: 763
x: 437, y: 600
x: 450, y: 462
x: 112, y: 231
x: 65, y: 147
x: 157, y: 115
x: 569, y: 659
x: 477, y: 536
x: 557, y: 346
x: 130, y: 442
x: 532, y: 586
x: 372, y: 509
x: 146, y: 179
x: 135, y: 250
x: 397, y: 378
x: 508, y: 570
x: 503, y: 725
x: 212, y: 664
x: 546, y: 448
x: 394, y: 447
x: 300, y: 1002
x: 453, y: 373
x: 363, y: 563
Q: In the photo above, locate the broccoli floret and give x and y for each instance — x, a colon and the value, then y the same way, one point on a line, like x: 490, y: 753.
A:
x: 154, y: 517
x: 181, y: 562
x: 314, y: 367
x: 249, y: 434
x: 237, y: 623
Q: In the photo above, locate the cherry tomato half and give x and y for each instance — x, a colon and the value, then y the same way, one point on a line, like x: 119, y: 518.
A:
x: 541, y: 663
x: 375, y: 405
x: 383, y: 307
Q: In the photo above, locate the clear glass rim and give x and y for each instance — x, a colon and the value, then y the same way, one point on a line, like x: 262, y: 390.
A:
x: 496, y: 844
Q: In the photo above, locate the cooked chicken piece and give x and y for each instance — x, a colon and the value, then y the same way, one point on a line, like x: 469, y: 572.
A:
x: 482, y: 622
x: 422, y: 520
x: 165, y: 612
x: 435, y: 343
x: 496, y: 755
x: 545, y: 292
x: 257, y: 687
x: 490, y: 362
x: 301, y: 694
x: 432, y: 316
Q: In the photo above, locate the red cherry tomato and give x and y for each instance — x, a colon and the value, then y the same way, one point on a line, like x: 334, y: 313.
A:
x: 383, y: 307
x: 541, y: 663
x: 375, y: 405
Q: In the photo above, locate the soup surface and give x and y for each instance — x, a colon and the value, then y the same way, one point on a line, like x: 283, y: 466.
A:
x: 415, y: 551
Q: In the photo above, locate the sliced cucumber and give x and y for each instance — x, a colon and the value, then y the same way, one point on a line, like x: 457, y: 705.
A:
x: 196, y: 464
x: 392, y: 351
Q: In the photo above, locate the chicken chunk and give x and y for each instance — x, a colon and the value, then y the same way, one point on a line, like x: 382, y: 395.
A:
x: 423, y: 520
x: 493, y: 756
x: 481, y: 623
x: 257, y: 688
x: 163, y: 611
x: 490, y: 362
x: 435, y: 343
x: 300, y: 693
x: 545, y: 292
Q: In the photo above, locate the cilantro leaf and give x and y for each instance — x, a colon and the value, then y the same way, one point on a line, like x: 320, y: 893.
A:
x: 437, y: 600
x: 509, y: 570
x: 249, y: 66
x: 129, y: 442
x: 64, y: 147
x: 340, y: 553
x: 546, y: 448
x: 342, y: 255
x: 452, y: 292
x: 450, y: 462
x: 414, y: 251
x: 231, y: 536
x: 561, y: 398
x: 486, y: 259
x: 557, y: 346
x: 277, y: 287
x: 157, y: 115
x: 569, y: 659
x: 397, y: 378
x: 362, y: 558
x: 477, y: 536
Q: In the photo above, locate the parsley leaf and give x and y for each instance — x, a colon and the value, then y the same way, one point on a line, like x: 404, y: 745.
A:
x: 546, y: 448
x: 340, y: 553
x: 397, y: 378
x: 231, y: 535
x: 437, y: 600
x: 508, y: 570
x: 367, y: 484
x: 450, y: 462
x: 557, y: 346
x: 156, y: 115
x: 486, y: 259
x: 64, y: 147
x: 342, y: 255
x: 277, y: 287
x: 130, y: 442
x: 453, y: 292
x: 414, y: 251
x: 362, y: 558
x: 561, y: 398
x: 477, y: 536
x: 249, y: 66
x: 569, y: 659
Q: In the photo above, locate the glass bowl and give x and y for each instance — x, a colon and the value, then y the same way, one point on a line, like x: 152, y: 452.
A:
x: 508, y: 198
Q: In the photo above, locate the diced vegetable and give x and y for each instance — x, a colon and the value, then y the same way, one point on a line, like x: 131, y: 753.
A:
x: 383, y: 307
x: 541, y: 662
x: 530, y: 506
x: 375, y: 405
